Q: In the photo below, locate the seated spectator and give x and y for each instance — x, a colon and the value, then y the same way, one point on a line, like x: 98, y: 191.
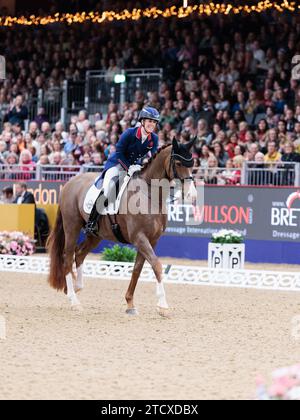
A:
x: 289, y: 155
x: 211, y: 172
x: 271, y: 118
x: 12, y: 159
x: 22, y: 195
x: 240, y: 102
x: 3, y: 151
x: 33, y: 130
x: 7, y: 196
x: 220, y: 154
x: 252, y: 104
x: 204, y: 156
x: 230, y: 144
x: 272, y: 154
x: 256, y: 171
x: 87, y: 162
x: 97, y: 160
x: 227, y: 177
x: 261, y: 132
x: 27, y: 165
x: 82, y: 123
x: 281, y: 126
x: 239, y: 150
x: 267, y: 101
x: 231, y: 127
x: 272, y: 136
x: 243, y: 128
x: 238, y: 162
x: 46, y: 130
x: 290, y: 120
x: 189, y: 126
x: 279, y: 101
x: 44, y: 160
x: 41, y: 117
x: 222, y: 102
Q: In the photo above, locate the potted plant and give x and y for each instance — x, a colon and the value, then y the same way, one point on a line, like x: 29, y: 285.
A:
x: 119, y: 253
x: 226, y: 250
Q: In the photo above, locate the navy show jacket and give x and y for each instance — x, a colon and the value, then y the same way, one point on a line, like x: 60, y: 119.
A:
x: 130, y: 149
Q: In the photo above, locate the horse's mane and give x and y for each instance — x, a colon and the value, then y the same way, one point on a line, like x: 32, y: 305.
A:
x: 147, y: 164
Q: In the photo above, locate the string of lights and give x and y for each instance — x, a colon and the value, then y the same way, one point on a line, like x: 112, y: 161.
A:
x: 151, y: 13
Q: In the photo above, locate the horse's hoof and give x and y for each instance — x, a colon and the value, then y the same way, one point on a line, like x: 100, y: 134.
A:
x: 163, y: 312
x: 132, y: 311
x: 78, y: 289
x: 77, y: 308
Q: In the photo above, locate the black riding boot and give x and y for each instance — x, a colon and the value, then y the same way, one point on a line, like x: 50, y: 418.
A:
x: 91, y: 228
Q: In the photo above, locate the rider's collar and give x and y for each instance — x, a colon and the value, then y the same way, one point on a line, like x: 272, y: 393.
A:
x: 139, y: 134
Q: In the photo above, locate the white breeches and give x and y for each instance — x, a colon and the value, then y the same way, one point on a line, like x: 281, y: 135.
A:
x: 110, y: 173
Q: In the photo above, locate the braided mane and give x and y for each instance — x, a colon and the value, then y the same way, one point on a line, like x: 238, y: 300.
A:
x: 153, y: 157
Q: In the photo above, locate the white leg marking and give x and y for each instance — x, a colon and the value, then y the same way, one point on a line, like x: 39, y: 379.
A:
x: 71, y: 292
x: 160, y: 292
x: 79, y: 279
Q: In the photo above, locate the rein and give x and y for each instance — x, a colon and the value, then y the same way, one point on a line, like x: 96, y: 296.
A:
x: 172, y: 166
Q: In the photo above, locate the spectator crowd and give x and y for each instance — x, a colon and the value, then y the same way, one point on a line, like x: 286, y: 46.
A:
x: 230, y: 81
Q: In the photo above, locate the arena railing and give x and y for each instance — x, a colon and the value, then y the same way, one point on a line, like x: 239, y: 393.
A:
x: 251, y: 173
x: 272, y: 173
x: 64, y: 173
x: 18, y: 172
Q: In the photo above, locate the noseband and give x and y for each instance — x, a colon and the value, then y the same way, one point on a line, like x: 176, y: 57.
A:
x: 173, y: 166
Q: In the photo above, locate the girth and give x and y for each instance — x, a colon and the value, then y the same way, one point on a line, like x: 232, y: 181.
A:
x: 115, y: 227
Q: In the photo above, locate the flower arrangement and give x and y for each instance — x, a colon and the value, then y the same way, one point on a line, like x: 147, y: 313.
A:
x: 226, y: 236
x: 285, y: 385
x: 16, y: 243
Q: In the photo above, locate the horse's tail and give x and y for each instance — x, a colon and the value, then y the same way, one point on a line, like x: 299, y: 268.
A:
x: 55, y: 246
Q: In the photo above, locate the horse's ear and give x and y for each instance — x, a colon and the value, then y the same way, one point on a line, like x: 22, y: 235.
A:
x: 175, y: 144
x: 191, y: 143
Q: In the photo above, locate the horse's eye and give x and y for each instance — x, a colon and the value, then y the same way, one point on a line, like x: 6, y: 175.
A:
x: 178, y: 164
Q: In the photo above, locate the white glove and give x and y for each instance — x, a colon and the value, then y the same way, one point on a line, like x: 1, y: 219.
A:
x: 133, y: 168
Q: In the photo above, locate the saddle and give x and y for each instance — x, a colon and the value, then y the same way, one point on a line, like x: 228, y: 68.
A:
x: 113, y: 204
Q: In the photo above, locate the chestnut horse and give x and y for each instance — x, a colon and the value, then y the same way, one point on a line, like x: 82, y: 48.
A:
x: 141, y: 230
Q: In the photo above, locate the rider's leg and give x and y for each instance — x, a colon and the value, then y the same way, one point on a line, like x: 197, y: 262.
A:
x: 101, y: 202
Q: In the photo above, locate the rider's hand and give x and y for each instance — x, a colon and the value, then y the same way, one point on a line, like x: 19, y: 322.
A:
x: 133, y: 168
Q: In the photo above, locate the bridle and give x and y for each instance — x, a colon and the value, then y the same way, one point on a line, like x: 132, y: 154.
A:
x: 173, y: 167
x: 175, y: 173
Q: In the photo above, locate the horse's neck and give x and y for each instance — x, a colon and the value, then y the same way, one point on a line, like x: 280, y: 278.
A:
x: 156, y: 169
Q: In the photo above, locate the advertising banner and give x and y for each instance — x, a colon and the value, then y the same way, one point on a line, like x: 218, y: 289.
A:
x: 258, y: 213
x: 271, y: 214
x: 44, y: 192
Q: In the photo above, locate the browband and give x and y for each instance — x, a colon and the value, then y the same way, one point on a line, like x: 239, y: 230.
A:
x: 188, y: 163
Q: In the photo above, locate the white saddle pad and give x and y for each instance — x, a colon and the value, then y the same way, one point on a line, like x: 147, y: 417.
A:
x: 93, y: 194
x: 90, y: 199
